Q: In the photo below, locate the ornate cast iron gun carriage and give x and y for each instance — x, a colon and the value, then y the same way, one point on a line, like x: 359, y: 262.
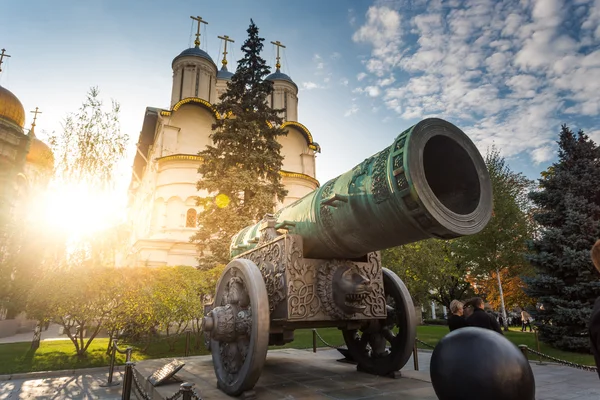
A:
x: 316, y: 262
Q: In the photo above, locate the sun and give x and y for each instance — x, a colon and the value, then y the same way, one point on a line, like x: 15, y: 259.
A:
x: 79, y: 211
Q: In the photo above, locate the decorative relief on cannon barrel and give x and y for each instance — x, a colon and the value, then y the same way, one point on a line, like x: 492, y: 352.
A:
x: 325, y: 209
x: 379, y: 187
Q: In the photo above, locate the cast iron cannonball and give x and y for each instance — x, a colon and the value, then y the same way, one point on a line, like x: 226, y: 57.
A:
x: 475, y: 363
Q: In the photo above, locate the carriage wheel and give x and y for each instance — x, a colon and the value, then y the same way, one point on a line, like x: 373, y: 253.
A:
x: 382, y: 347
x: 238, y: 327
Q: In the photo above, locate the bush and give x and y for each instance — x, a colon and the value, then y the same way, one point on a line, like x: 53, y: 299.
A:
x: 435, y: 321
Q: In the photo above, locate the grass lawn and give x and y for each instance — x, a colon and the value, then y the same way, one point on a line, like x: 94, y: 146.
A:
x: 431, y: 334
x: 59, y: 354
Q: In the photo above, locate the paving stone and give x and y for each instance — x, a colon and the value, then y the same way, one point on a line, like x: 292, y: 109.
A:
x: 295, y: 374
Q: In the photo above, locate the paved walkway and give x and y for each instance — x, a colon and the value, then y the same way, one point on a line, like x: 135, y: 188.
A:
x: 298, y: 374
x: 50, y: 334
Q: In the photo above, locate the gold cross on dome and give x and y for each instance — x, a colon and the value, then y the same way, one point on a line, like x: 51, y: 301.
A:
x: 35, y: 114
x: 200, y: 21
x: 225, y: 39
x: 278, y: 44
x: 2, y: 55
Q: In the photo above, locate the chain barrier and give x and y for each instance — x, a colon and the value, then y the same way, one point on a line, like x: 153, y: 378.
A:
x: 325, y: 342
x: 175, y: 396
x: 137, y: 385
x: 343, y: 346
x: 424, y: 343
x: 559, y: 361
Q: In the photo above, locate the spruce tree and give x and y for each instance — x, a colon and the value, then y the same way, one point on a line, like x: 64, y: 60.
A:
x: 240, y: 171
x: 568, y: 213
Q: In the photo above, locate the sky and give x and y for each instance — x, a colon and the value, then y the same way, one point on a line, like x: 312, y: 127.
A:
x: 508, y: 73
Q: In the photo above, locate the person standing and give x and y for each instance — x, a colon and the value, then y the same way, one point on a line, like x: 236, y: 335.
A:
x: 456, y: 320
x: 594, y: 329
x: 480, y: 318
x: 525, y: 320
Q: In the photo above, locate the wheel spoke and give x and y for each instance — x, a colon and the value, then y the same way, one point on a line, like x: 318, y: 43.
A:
x: 388, y: 335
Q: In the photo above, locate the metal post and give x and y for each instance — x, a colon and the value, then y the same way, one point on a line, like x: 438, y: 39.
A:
x: 127, y: 381
x: 128, y: 352
x: 537, y: 344
x: 186, y: 390
x: 416, y: 356
x: 187, y: 343
x: 314, y: 340
x: 523, y: 350
x: 111, y: 367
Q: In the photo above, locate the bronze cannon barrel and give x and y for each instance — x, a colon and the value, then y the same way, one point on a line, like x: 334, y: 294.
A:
x: 431, y: 182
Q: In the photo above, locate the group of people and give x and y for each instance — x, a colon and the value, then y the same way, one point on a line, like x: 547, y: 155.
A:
x: 471, y: 313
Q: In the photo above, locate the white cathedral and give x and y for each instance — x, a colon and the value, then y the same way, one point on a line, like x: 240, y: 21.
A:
x: 162, y: 202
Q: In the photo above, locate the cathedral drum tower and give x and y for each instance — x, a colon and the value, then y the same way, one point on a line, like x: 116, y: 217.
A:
x: 162, y: 205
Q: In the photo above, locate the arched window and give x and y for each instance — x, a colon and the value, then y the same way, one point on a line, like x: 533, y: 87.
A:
x: 190, y: 219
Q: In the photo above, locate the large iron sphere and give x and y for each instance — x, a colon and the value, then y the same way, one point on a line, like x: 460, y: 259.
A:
x: 475, y: 363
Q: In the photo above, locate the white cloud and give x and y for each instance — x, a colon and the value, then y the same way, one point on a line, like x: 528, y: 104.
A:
x: 507, y: 72
x: 344, y: 81
x: 542, y: 154
x: 352, y: 110
x: 382, y: 31
x: 335, y: 55
x: 594, y: 135
x: 386, y: 81
x: 372, y: 91
x: 310, y: 85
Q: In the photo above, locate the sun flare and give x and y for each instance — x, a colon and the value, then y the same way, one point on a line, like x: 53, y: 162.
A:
x: 77, y: 210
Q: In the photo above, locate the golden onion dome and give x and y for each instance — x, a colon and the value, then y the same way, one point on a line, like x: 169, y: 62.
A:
x: 11, y: 108
x: 40, y: 154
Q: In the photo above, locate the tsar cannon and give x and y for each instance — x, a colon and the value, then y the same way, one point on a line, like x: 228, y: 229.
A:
x: 316, y: 262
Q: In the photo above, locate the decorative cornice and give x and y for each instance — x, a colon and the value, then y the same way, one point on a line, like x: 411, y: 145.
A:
x: 298, y: 175
x: 196, y: 100
x: 179, y: 157
x: 192, y: 157
x: 311, y: 144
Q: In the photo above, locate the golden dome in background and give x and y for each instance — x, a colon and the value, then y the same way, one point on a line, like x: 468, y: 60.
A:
x: 40, y: 153
x: 11, y: 108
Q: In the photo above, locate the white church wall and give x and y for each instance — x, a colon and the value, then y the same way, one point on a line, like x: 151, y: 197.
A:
x: 297, y: 188
x: 174, y: 216
x: 169, y: 136
x: 293, y: 146
x: 195, y: 125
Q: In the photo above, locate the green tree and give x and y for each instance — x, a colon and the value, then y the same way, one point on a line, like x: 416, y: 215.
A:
x: 431, y: 269
x: 240, y: 171
x: 90, y: 145
x: 568, y: 212
x: 502, y: 244
x: 80, y: 303
x: 88, y: 151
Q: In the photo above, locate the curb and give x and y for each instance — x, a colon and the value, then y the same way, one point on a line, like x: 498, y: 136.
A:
x: 59, y: 373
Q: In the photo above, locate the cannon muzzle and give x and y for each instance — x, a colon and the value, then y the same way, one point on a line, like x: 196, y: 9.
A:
x: 431, y: 182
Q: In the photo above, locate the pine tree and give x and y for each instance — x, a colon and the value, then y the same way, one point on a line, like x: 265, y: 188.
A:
x: 240, y: 171
x: 568, y: 212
